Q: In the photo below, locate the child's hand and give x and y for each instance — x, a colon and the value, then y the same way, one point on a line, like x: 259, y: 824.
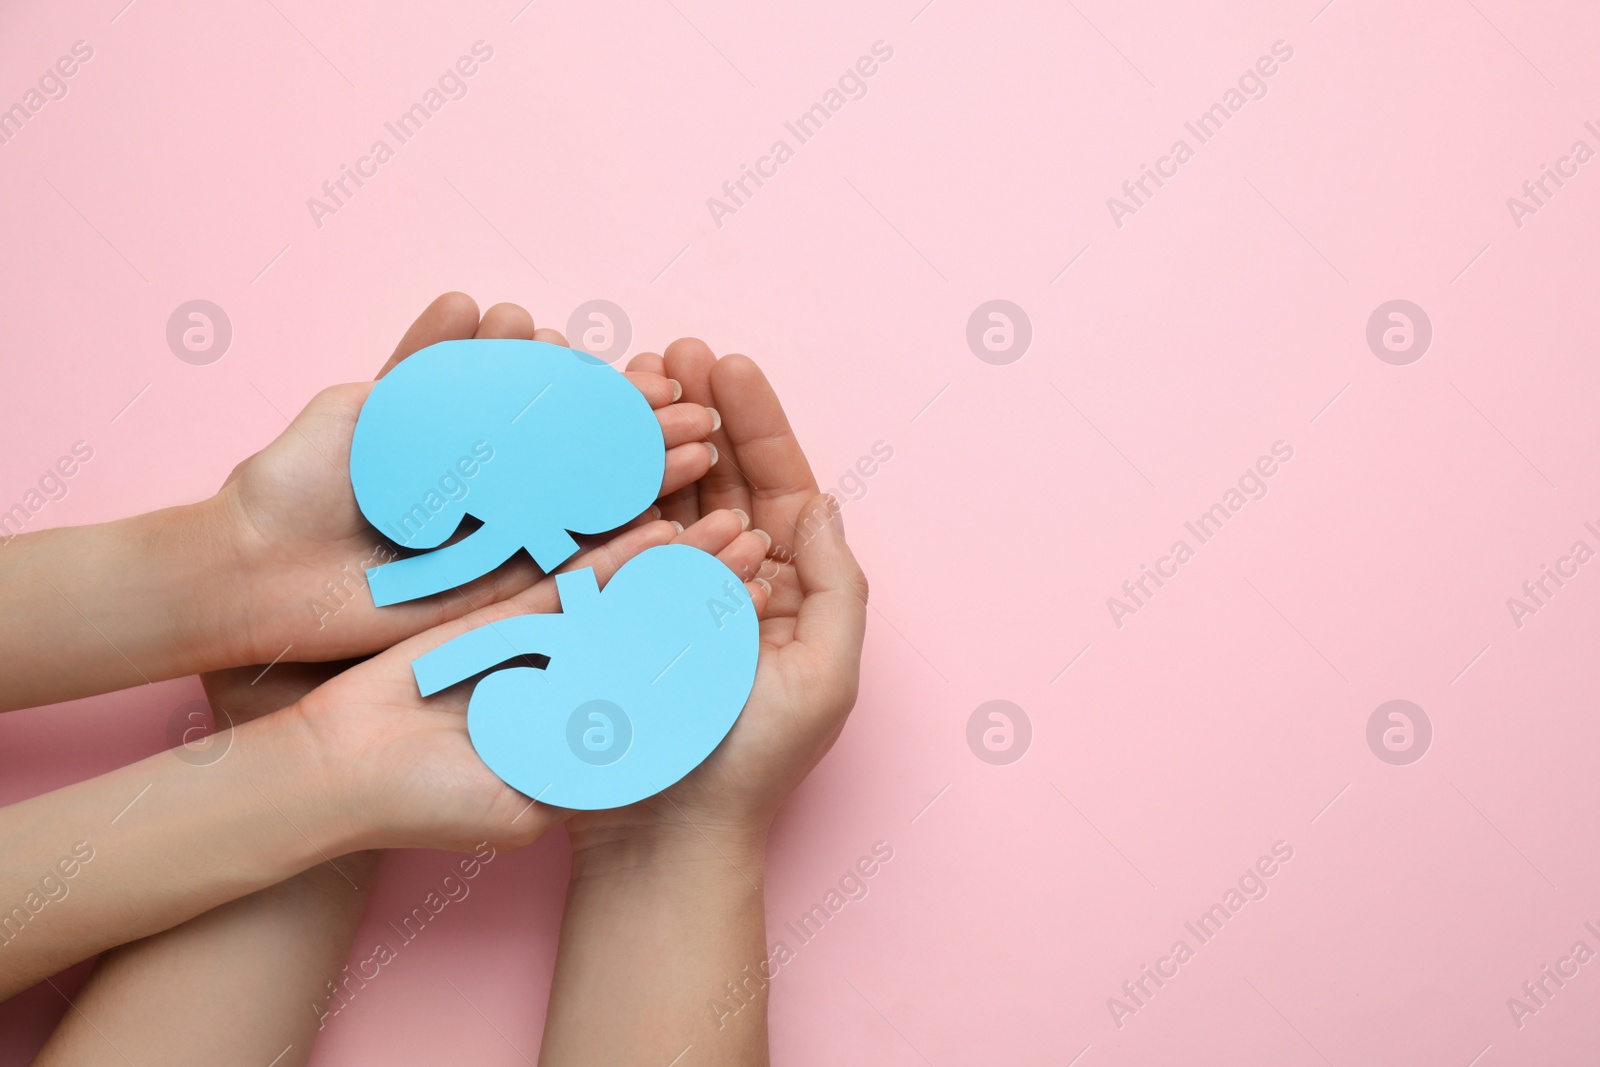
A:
x: 292, y: 535
x: 402, y: 767
x: 262, y: 959
x: 812, y: 626
x: 240, y: 694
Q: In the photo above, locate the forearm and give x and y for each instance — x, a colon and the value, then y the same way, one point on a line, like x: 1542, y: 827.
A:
x: 91, y: 609
x: 263, y: 961
x: 270, y: 957
x: 662, y: 949
x: 156, y: 843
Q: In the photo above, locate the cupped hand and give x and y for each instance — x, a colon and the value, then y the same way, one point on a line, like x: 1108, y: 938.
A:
x: 401, y: 768
x: 290, y: 533
x: 813, y: 614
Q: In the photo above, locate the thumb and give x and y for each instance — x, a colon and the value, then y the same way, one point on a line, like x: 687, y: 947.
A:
x: 833, y: 616
x: 450, y: 317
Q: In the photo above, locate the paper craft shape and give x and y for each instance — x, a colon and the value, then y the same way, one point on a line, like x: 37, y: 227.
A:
x: 535, y: 441
x: 644, y: 680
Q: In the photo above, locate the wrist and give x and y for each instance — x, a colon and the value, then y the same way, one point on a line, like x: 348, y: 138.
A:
x: 686, y: 912
x: 287, y: 761
x: 163, y: 589
x: 188, y: 563
x: 90, y: 609
x: 217, y: 623
x: 673, y: 846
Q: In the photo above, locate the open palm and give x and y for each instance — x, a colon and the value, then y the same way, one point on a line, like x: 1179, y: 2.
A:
x: 303, y: 546
x: 813, y: 618
x: 402, y: 767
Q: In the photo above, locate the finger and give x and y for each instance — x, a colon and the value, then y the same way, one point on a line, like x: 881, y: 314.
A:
x: 608, y: 558
x: 760, y: 595
x: 691, y: 362
x: 765, y: 450
x: 833, y: 616
x: 745, y: 555
x: 745, y: 550
x: 541, y: 598
x: 686, y: 464
x: 450, y: 317
x: 713, y: 533
x: 783, y: 588
x: 604, y: 558
x: 649, y: 363
x: 650, y: 514
x: 683, y: 424
x: 727, y: 535
x: 588, y: 541
x: 507, y: 321
x: 653, y: 384
x: 657, y: 388
x: 681, y: 505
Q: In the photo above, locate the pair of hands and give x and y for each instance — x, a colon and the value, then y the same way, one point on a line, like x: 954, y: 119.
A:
x: 400, y: 767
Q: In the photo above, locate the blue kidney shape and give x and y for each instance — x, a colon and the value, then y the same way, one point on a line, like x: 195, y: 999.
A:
x: 535, y: 441
x: 644, y: 680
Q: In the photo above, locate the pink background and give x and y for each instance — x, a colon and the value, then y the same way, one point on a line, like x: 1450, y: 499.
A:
x: 1225, y: 315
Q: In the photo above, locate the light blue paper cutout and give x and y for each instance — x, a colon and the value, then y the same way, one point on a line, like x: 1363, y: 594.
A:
x: 532, y: 439
x: 644, y: 680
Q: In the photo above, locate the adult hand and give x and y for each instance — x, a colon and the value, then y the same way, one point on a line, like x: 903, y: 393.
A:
x: 629, y: 987
x: 812, y: 620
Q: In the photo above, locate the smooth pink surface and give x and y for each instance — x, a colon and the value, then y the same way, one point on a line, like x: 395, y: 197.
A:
x: 1227, y: 314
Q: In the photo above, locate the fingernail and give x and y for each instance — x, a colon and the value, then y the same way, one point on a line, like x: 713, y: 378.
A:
x: 836, y: 513
x: 676, y: 525
x: 766, y: 539
x: 716, y: 419
x: 765, y: 585
x: 677, y: 390
x: 655, y: 511
x: 744, y: 519
x: 715, y: 455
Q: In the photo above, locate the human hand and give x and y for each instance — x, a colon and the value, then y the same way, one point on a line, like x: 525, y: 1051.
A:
x: 263, y: 957
x: 628, y: 987
x: 297, y: 547
x: 812, y: 619
x: 400, y: 768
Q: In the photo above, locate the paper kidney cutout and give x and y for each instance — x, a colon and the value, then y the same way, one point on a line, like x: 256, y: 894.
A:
x: 532, y: 439
x: 644, y: 680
